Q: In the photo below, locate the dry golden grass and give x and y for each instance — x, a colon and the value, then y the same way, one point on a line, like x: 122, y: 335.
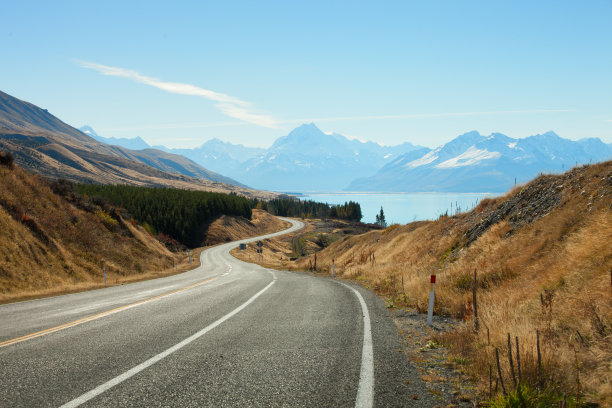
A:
x: 48, y: 246
x: 545, y: 265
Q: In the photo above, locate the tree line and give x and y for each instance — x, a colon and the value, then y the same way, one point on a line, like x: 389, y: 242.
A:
x: 290, y: 207
x: 181, y: 214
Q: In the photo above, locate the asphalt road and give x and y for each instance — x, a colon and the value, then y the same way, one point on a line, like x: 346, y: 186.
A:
x: 227, y: 333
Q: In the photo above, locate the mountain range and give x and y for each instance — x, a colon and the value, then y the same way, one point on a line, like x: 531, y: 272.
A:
x: 476, y: 163
x: 309, y: 160
x: 305, y: 160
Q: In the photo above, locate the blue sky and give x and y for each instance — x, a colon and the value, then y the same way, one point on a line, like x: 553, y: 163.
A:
x: 180, y: 73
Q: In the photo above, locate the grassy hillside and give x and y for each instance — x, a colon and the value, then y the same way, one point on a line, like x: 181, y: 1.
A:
x: 48, y: 245
x: 543, y: 258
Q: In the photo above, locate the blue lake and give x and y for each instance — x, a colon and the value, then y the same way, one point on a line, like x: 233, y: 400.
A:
x: 407, y: 207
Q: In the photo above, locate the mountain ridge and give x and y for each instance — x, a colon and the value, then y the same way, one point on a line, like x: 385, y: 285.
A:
x: 475, y: 163
x: 307, y: 159
x: 293, y: 159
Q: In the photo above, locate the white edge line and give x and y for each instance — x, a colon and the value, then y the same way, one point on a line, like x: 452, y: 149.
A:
x: 365, y: 390
x: 142, y: 366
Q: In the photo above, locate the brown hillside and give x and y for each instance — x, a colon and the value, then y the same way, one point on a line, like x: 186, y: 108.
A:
x: 43, y: 144
x: 49, y: 246
x: 543, y: 256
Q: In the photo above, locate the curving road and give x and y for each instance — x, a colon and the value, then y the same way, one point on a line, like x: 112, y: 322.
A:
x: 227, y: 333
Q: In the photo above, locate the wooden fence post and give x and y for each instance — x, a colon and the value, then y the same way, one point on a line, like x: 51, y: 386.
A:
x: 499, y: 374
x: 476, y: 322
x: 511, y: 362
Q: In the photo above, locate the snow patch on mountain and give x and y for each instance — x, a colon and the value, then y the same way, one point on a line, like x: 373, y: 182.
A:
x: 470, y: 157
x: 428, y: 158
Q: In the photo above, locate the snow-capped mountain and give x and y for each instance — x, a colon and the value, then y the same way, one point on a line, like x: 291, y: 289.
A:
x: 135, y: 143
x: 219, y: 156
x: 308, y: 159
x: 476, y: 163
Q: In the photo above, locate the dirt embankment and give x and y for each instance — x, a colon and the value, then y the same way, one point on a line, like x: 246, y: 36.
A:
x: 543, y: 258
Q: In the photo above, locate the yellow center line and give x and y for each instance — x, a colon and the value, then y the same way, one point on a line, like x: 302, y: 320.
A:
x: 99, y: 315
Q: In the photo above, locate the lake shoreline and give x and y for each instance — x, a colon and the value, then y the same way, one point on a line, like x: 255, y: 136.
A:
x: 402, y: 208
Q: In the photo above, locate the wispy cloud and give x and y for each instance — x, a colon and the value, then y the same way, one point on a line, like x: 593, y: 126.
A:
x: 228, y: 105
x: 430, y: 115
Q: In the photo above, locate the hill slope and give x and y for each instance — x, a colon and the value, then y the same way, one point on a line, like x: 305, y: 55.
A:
x: 543, y: 257
x: 45, y: 145
x: 47, y: 245
x: 54, y: 240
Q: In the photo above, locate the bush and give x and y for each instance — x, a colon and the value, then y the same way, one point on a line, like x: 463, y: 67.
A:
x: 108, y: 221
x: 525, y: 396
x: 7, y: 159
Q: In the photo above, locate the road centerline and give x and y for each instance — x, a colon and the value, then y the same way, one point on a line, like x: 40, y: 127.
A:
x: 144, y: 365
x: 99, y: 315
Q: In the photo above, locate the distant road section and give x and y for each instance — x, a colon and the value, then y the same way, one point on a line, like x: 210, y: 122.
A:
x: 227, y: 333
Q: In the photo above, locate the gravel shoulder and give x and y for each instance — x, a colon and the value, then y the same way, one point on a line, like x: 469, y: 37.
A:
x: 443, y: 376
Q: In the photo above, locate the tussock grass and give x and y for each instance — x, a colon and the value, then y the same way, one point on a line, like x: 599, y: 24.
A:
x: 543, y: 256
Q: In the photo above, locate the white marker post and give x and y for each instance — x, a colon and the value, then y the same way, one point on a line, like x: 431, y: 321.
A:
x: 333, y: 269
x: 432, y: 292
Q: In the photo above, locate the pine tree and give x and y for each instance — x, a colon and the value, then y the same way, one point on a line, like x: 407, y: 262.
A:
x: 380, y: 218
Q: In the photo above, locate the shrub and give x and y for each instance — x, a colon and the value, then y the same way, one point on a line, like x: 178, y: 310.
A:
x: 108, y: 221
x: 7, y: 159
